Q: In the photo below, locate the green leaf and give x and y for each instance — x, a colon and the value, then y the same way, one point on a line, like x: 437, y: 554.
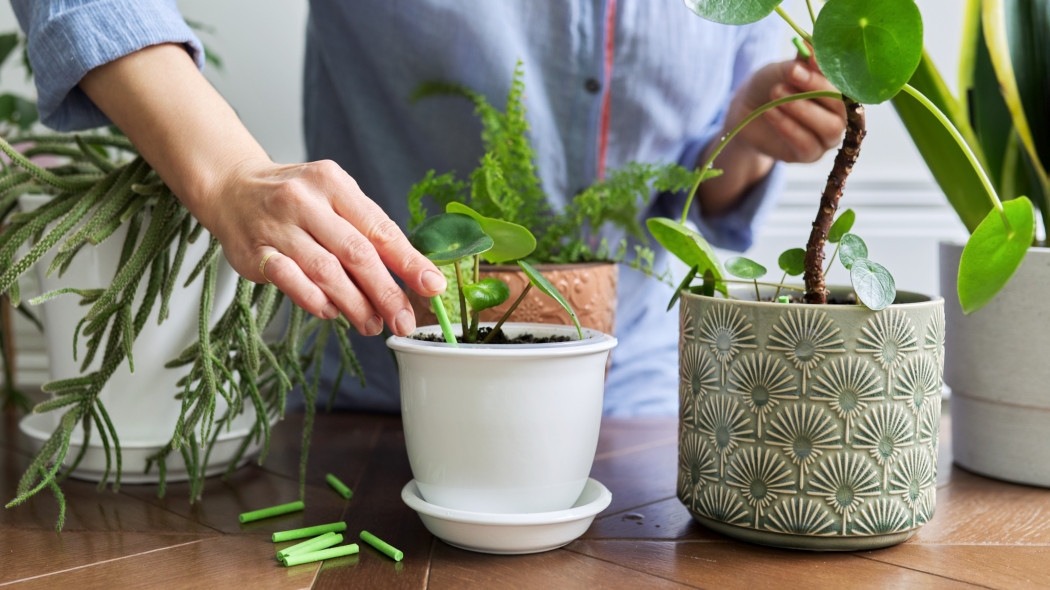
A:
x: 8, y: 42
x: 745, y: 268
x: 449, y: 237
x: 17, y: 111
x: 793, y: 261
x: 540, y: 282
x: 851, y: 249
x: 510, y: 240
x: 689, y: 247
x: 689, y: 276
x: 841, y: 226
x: 486, y: 293
x: 736, y: 12
x: 993, y: 253
x: 868, y: 49
x: 873, y: 283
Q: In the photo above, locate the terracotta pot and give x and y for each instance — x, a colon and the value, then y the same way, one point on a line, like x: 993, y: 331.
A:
x: 590, y: 289
x: 810, y: 426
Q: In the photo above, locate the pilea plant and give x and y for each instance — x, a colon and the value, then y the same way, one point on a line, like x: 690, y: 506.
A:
x: 462, y: 234
x: 868, y: 50
x: 100, y: 185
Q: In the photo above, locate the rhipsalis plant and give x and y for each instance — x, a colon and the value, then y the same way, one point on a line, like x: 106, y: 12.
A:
x: 464, y: 235
x: 868, y: 50
x: 505, y: 186
x: 102, y: 185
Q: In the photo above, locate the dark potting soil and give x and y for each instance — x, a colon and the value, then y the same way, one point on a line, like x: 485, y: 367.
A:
x: 499, y: 338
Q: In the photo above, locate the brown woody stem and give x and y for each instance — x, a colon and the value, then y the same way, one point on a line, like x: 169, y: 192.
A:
x: 816, y: 292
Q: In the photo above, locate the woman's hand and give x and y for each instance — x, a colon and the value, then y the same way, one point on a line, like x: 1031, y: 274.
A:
x: 308, y: 227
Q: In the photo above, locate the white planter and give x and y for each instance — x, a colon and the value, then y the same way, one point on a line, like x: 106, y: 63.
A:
x: 502, y: 428
x: 997, y: 363
x: 141, y: 405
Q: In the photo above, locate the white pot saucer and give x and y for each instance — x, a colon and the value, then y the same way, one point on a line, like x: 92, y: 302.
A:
x: 510, y: 534
x: 134, y: 453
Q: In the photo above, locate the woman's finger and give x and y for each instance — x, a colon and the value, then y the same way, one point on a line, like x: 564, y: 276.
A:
x: 286, y: 275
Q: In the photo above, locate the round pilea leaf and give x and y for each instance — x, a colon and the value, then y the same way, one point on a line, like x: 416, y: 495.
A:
x: 689, y: 247
x: 994, y: 252
x: 873, y: 283
x: 842, y: 225
x: 449, y: 237
x: 851, y: 248
x: 868, y: 49
x: 793, y: 261
x: 737, y: 12
x: 510, y: 240
x: 540, y: 282
x: 745, y: 268
x: 486, y: 293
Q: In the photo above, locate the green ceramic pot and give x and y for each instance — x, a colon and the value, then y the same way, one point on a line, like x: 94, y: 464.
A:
x: 810, y: 427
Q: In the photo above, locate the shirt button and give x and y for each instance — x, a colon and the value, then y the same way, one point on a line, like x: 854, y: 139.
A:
x: 592, y: 85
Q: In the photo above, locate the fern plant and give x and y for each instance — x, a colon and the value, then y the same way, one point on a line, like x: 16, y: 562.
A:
x: 505, y: 186
x: 101, y: 185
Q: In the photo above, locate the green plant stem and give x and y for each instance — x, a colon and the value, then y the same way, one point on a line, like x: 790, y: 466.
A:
x: 989, y: 190
x: 832, y: 259
x: 503, y: 319
x: 812, y: 14
x: 462, y: 303
x: 758, y: 297
x: 762, y: 283
x: 780, y: 286
x: 754, y: 115
x: 784, y: 15
x: 442, y: 317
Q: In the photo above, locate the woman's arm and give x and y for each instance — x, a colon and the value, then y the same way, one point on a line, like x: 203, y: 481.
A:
x: 325, y: 244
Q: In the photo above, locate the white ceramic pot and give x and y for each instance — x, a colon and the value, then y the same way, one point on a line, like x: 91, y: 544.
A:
x: 502, y: 428
x: 141, y: 405
x: 996, y: 363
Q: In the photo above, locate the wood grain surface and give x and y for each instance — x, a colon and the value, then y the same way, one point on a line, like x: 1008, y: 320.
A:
x: 986, y: 533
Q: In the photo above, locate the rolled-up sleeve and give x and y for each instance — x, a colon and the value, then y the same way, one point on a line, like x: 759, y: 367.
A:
x: 67, y: 39
x: 734, y: 229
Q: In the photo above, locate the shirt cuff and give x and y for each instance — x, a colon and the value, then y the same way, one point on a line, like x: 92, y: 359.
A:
x: 68, y: 45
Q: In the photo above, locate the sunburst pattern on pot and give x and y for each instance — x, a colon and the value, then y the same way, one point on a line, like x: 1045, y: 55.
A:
x: 804, y: 433
x: 726, y: 425
x: 726, y: 331
x: 912, y: 476
x: 799, y: 516
x: 825, y: 434
x: 917, y: 382
x: 844, y: 481
x: 889, y: 336
x: 849, y: 385
x: 880, y: 517
x: 696, y: 467
x: 762, y: 383
x: 934, y: 342
x: 885, y: 432
x: 807, y: 337
x: 761, y: 476
x: 696, y: 379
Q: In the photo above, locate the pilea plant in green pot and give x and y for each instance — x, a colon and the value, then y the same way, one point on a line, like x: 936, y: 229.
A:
x: 995, y: 362
x: 813, y: 424
x: 569, y: 248
x: 507, y: 422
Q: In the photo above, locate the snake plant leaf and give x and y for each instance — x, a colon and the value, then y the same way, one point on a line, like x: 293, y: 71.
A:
x: 745, y: 268
x: 842, y: 225
x: 689, y: 247
x: 540, y: 282
x: 486, y: 293
x: 873, y: 283
x: 994, y: 252
x: 851, y: 249
x: 736, y: 12
x: 868, y: 49
x: 449, y: 237
x: 793, y: 261
x: 510, y: 240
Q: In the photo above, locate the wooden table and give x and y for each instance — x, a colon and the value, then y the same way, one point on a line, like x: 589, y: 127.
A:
x: 985, y: 533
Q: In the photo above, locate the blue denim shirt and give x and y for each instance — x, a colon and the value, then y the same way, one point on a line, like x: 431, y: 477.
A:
x: 658, y: 75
